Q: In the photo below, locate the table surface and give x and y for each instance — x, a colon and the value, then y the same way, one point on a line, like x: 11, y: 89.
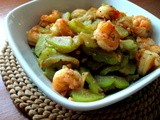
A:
x: 8, y: 111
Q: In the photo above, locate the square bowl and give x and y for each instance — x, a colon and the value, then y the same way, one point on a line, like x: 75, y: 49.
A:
x: 22, y: 18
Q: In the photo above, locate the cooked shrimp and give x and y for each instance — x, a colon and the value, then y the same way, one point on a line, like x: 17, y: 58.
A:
x: 61, y: 28
x: 147, y: 61
x: 155, y: 48
x: 141, y: 26
x: 106, y: 36
x: 67, y: 79
x: 107, y: 12
x: 148, y: 44
x: 145, y: 43
x: 48, y: 19
x: 157, y: 61
x: 33, y: 35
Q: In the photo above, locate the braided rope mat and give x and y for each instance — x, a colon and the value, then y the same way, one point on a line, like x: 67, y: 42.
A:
x: 144, y: 105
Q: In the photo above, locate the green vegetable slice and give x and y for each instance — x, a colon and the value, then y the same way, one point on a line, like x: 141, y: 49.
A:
x: 120, y: 83
x: 122, y: 32
x: 105, y: 81
x: 47, y: 52
x: 100, y: 55
x: 85, y: 95
x: 49, y: 73
x: 131, y: 78
x: 108, y: 81
x: 40, y: 45
x: 108, y: 58
x: 77, y: 26
x: 65, y: 44
x: 125, y: 60
x: 50, y: 56
x: 106, y: 70
x: 66, y: 16
x: 130, y: 68
x: 58, y: 58
x: 93, y: 86
x: 88, y: 40
x: 128, y: 45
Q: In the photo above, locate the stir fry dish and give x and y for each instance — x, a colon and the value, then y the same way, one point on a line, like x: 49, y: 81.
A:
x: 89, y: 54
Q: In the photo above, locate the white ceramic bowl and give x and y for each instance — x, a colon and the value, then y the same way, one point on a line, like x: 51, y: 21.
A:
x: 22, y: 18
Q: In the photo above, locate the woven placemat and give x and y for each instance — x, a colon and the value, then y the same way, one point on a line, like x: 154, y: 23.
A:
x: 144, y: 105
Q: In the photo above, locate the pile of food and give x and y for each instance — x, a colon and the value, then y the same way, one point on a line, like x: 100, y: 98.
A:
x: 89, y: 54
